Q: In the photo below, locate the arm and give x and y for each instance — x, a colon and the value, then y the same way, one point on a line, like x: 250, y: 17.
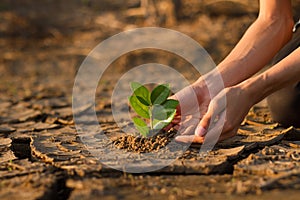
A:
x: 264, y: 38
x: 247, y: 93
x: 270, y: 32
x: 284, y: 73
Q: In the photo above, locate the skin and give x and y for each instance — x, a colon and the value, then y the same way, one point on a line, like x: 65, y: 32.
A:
x: 264, y: 38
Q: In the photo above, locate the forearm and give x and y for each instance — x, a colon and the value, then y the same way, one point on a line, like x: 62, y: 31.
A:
x: 264, y: 38
x: 257, y: 47
x: 284, y: 73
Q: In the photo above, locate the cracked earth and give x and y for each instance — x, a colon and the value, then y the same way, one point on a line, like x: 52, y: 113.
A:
x: 43, y: 157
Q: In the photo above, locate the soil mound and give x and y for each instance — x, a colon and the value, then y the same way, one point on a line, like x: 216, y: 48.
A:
x: 142, y: 144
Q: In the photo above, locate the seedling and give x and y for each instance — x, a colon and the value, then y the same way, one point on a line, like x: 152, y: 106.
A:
x: 155, y: 110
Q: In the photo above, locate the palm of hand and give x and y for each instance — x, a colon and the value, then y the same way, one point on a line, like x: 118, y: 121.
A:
x: 220, y: 116
x: 190, y: 111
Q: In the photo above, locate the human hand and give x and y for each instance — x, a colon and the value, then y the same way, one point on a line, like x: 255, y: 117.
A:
x: 193, y: 104
x: 224, y: 115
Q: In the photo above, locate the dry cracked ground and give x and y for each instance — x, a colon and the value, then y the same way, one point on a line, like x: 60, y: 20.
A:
x: 42, y: 156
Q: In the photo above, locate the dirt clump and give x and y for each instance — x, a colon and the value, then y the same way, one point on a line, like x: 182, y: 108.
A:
x: 140, y: 144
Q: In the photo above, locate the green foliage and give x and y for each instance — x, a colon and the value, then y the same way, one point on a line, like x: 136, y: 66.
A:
x: 141, y: 92
x: 138, y: 107
x: 154, y: 107
x: 160, y: 94
x: 141, y: 126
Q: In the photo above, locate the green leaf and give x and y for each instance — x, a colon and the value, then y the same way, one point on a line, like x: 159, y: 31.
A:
x: 139, y: 108
x: 135, y: 85
x: 170, y: 104
x: 160, y: 124
x: 159, y: 112
x: 142, y: 93
x: 141, y: 126
x: 164, y: 111
x: 160, y: 94
x: 142, y: 101
x: 170, y: 112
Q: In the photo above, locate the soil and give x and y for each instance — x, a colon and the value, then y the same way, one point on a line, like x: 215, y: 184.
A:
x: 42, y: 156
x: 144, y: 144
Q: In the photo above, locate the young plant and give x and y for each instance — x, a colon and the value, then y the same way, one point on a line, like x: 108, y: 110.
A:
x: 154, y: 108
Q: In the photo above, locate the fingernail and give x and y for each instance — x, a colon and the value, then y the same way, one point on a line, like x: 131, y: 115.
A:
x: 200, y: 131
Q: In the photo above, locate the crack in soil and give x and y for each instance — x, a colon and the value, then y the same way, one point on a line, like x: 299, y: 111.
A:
x: 58, y: 190
x: 21, y: 147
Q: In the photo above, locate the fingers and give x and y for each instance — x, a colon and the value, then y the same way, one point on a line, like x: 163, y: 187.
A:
x: 188, y: 106
x: 200, y: 131
x: 189, y: 139
x: 188, y: 125
x: 215, y: 108
x: 217, y: 124
x: 178, y: 109
x: 214, y: 133
x: 187, y: 130
x: 202, y: 127
x: 211, y: 138
x: 173, y: 123
x: 176, y: 120
x: 188, y: 101
x: 184, y: 124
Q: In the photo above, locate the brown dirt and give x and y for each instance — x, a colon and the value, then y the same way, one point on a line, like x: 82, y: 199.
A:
x: 141, y: 144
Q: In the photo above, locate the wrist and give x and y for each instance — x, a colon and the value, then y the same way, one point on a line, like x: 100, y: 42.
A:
x: 210, y: 84
x: 255, y: 88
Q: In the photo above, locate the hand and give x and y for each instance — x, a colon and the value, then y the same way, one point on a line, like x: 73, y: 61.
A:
x: 225, y: 113
x: 193, y: 104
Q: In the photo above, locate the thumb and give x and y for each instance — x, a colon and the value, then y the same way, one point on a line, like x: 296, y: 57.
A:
x: 203, y: 125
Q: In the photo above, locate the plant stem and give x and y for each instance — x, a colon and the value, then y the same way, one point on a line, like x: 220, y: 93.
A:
x: 151, y: 117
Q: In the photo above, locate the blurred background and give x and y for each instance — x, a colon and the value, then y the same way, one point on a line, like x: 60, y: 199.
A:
x: 42, y: 43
